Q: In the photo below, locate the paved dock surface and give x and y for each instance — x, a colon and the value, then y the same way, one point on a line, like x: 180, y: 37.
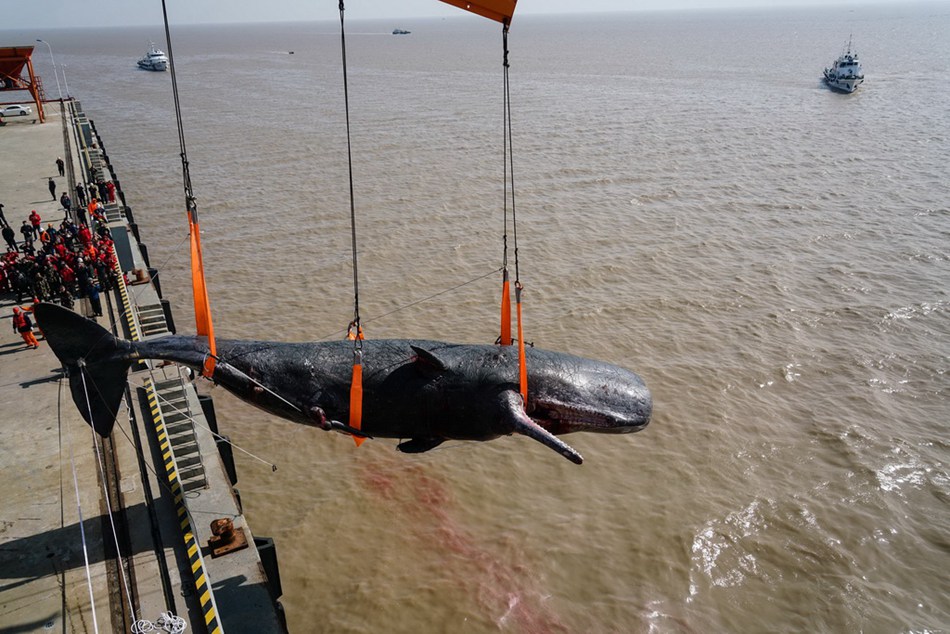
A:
x: 59, y: 571
x: 46, y: 446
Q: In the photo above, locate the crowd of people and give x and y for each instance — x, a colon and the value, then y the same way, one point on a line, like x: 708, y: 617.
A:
x: 58, y: 263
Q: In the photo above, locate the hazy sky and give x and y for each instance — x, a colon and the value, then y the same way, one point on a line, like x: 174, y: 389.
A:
x: 47, y: 14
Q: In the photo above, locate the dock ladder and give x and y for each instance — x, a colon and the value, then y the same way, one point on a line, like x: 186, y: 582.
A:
x: 152, y: 320
x: 178, y: 418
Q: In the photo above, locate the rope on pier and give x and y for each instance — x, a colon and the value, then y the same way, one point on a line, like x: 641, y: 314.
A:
x: 82, y: 528
x: 167, y: 622
x: 105, y: 493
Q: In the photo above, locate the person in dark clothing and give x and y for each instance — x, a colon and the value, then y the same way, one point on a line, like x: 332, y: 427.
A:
x: 103, y: 191
x: 81, y: 194
x: 20, y: 283
x: 60, y: 165
x: 65, y: 299
x: 94, y: 299
x: 66, y: 203
x: 52, y: 187
x: 93, y: 190
x: 3, y: 221
x: 83, y: 276
x: 68, y: 235
x: 9, y: 235
x: 27, y: 230
x: 103, y: 274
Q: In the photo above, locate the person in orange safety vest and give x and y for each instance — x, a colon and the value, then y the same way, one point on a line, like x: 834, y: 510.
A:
x: 23, y: 325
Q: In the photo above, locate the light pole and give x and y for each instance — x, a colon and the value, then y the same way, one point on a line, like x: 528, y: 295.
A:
x: 55, y: 74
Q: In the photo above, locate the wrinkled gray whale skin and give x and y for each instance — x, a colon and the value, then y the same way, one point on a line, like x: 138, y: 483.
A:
x: 423, y: 391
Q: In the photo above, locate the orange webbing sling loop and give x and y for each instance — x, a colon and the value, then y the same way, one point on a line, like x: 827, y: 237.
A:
x: 522, y: 363
x: 199, y: 289
x: 356, y: 384
x: 505, y: 338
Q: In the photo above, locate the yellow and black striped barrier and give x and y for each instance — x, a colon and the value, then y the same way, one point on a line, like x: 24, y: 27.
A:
x: 193, y: 548
x: 126, y: 301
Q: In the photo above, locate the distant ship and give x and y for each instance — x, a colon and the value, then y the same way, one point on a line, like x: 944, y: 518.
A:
x: 154, y: 59
x: 401, y: 32
x: 845, y: 74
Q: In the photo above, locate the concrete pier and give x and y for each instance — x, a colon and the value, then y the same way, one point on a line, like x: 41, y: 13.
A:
x: 95, y: 533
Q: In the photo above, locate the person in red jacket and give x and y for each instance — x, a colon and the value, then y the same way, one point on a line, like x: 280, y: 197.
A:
x: 85, y: 235
x: 23, y: 325
x: 67, y: 274
x: 36, y: 221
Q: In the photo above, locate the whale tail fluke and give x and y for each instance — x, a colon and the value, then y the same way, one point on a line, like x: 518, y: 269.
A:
x: 95, y: 361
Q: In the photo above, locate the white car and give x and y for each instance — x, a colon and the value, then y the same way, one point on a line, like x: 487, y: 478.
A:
x: 15, y: 111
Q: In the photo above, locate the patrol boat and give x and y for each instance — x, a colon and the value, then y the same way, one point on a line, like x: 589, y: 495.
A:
x: 845, y: 74
x: 155, y: 59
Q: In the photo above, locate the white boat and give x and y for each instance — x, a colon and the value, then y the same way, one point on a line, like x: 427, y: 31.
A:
x: 846, y: 73
x: 155, y: 59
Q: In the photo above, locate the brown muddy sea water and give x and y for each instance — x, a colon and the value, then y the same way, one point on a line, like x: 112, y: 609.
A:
x: 693, y: 204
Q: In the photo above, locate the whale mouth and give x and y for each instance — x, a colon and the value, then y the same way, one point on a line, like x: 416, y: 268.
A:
x: 565, y: 418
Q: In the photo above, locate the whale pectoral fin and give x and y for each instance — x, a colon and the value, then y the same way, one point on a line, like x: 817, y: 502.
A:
x: 419, y: 445
x: 521, y: 424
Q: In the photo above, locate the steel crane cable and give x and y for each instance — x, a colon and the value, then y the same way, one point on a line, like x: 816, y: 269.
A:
x: 355, y: 330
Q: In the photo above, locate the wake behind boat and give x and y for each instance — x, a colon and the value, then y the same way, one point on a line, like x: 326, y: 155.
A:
x: 155, y: 59
x: 845, y: 73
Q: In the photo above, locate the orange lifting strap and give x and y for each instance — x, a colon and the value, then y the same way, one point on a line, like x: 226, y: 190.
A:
x: 522, y: 363
x: 356, y: 396
x: 356, y: 383
x: 497, y: 10
x: 505, y: 338
x: 200, y: 292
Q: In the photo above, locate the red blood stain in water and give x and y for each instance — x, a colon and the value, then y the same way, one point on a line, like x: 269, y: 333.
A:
x: 503, y: 585
x: 380, y: 484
